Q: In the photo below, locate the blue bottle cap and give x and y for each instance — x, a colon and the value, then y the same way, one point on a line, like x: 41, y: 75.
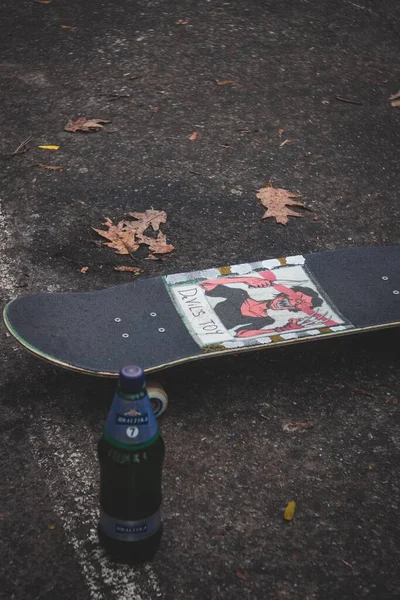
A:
x: 131, y: 379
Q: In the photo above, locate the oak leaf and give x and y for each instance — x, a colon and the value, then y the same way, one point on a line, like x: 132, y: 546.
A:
x: 86, y: 125
x: 277, y: 201
x: 148, y: 218
x: 120, y: 240
x: 127, y: 236
x: 156, y: 245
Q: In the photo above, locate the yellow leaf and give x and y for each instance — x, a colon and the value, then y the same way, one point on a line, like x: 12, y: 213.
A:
x: 289, y: 511
x: 49, y: 147
x: 51, y: 527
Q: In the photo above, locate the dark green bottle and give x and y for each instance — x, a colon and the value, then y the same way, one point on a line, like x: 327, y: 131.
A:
x: 131, y: 454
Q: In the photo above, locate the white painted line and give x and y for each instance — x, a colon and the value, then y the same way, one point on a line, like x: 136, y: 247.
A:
x: 71, y: 474
x: 7, y: 270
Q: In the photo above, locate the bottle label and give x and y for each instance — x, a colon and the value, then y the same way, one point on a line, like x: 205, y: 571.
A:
x: 131, y: 421
x: 130, y: 531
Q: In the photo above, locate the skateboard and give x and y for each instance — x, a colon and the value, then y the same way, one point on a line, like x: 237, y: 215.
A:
x: 164, y: 321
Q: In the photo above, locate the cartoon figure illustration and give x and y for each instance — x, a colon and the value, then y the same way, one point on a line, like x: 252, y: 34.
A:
x: 248, y: 317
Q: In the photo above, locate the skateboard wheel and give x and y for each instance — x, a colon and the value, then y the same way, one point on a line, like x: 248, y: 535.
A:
x: 158, y: 398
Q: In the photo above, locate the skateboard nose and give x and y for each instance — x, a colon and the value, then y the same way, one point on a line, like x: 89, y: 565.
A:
x: 101, y: 331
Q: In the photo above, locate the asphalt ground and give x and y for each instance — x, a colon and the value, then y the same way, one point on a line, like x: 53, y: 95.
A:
x: 230, y: 467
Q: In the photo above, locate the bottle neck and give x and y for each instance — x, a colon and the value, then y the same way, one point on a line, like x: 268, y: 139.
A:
x: 131, y: 396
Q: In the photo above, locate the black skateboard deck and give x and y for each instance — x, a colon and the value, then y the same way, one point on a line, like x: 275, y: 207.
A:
x: 164, y: 321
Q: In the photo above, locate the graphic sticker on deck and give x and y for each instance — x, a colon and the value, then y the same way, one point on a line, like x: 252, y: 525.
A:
x: 251, y: 304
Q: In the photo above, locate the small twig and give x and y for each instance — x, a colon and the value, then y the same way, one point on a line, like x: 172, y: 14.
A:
x: 264, y: 417
x: 21, y: 148
x: 194, y: 172
x: 346, y: 563
x: 248, y: 130
x: 112, y: 97
x: 359, y: 390
x: 348, y: 101
x: 133, y: 77
x: 74, y: 262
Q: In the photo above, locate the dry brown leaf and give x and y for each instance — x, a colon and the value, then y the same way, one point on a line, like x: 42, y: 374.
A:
x: 149, y: 218
x: 50, y: 167
x: 276, y: 201
x: 126, y: 236
x: 395, y: 96
x: 293, y: 426
x: 241, y: 575
x: 224, y: 82
x: 85, y: 124
x: 120, y: 240
x: 194, y: 136
x: 123, y: 269
x: 84, y: 269
x: 395, y: 99
x: 68, y: 27
x: 156, y: 245
x: 182, y: 22
x: 281, y: 132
